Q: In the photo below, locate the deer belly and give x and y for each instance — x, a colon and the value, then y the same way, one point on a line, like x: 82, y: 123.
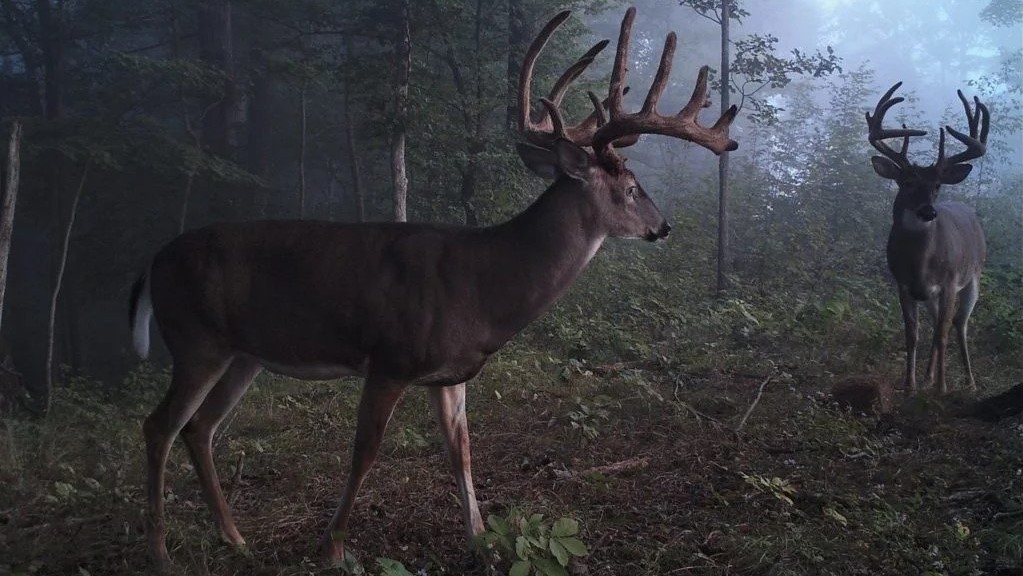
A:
x: 313, y: 371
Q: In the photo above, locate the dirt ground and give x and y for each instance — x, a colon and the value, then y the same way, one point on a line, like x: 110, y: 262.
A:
x: 654, y: 469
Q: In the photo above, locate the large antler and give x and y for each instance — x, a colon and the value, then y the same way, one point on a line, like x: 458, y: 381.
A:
x: 542, y: 132
x: 621, y: 129
x: 877, y: 133
x: 975, y: 147
x: 684, y: 125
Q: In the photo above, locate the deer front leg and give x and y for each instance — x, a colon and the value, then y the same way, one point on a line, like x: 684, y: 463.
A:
x: 449, y: 405
x: 942, y: 325
x: 909, y: 319
x: 375, y: 409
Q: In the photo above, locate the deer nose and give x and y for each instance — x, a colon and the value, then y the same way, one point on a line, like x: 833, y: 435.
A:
x: 927, y: 213
x: 665, y: 229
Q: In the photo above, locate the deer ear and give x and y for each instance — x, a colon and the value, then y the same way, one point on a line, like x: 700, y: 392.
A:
x: 955, y: 173
x: 885, y: 168
x: 573, y: 161
x: 541, y: 161
x: 563, y: 157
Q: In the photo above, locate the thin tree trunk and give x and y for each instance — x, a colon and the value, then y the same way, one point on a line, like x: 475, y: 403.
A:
x: 7, y: 206
x: 516, y: 33
x: 301, y: 158
x: 403, y: 51
x: 57, y: 284
x: 722, y: 281
x: 184, y: 201
x: 353, y: 156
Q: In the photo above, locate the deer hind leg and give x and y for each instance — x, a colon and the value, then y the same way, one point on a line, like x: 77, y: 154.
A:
x: 910, y: 320
x: 192, y: 379
x: 375, y: 409
x: 198, y: 436
x: 449, y: 405
x: 967, y: 300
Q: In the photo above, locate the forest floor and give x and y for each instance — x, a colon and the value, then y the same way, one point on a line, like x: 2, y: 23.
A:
x: 649, y: 461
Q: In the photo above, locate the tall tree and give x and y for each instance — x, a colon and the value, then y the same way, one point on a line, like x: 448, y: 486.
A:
x: 755, y: 66
x: 403, y: 61
x: 8, y: 202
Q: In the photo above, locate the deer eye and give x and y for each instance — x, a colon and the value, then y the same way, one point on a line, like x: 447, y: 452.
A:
x: 632, y: 192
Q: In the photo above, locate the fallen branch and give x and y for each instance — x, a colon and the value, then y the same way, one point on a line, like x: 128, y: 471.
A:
x: 749, y: 410
x: 607, y: 469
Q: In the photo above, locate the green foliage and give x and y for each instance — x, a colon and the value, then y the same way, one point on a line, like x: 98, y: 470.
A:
x: 537, y: 546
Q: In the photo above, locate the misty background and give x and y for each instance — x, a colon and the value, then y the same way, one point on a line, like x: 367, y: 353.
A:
x: 170, y: 115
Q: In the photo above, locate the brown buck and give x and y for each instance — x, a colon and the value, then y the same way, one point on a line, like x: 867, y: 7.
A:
x: 400, y: 304
x: 935, y: 249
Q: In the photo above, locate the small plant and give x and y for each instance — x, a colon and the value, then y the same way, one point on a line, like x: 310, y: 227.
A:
x: 586, y: 419
x: 538, y: 547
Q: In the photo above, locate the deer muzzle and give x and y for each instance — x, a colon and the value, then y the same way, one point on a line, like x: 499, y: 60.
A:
x: 661, y: 232
x: 927, y: 213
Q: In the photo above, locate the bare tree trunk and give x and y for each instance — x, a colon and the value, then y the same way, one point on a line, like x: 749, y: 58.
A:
x: 301, y: 158
x: 353, y: 156
x: 57, y: 284
x: 475, y: 140
x: 403, y: 52
x: 516, y: 40
x: 722, y: 280
x: 9, y: 202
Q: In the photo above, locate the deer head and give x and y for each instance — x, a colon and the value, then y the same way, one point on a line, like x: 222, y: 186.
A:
x: 585, y: 153
x: 919, y: 185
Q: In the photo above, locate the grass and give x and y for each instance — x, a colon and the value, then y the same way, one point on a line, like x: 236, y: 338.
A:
x: 618, y: 409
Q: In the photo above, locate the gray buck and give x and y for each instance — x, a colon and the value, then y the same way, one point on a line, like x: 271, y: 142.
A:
x: 399, y: 304
x: 935, y: 249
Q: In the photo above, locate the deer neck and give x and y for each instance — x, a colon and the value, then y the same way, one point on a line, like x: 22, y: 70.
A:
x: 545, y: 248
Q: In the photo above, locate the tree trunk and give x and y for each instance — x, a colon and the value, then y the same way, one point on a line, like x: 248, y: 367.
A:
x: 353, y: 155
x: 722, y: 281
x: 51, y: 33
x: 403, y: 52
x: 301, y: 157
x: 516, y: 41
x: 7, y: 206
x: 57, y: 284
x: 216, y: 48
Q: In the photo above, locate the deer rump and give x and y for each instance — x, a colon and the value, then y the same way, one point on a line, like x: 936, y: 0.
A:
x: 231, y: 284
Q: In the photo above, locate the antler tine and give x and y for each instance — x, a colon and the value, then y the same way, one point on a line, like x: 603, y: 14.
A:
x: 976, y: 146
x: 661, y: 77
x: 557, y: 122
x: 573, y: 72
x: 616, y: 90
x: 526, y: 73
x: 877, y: 133
x: 598, y: 109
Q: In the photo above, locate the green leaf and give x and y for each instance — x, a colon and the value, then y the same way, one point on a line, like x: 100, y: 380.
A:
x: 574, y: 546
x: 519, y: 568
x: 522, y: 548
x: 550, y: 567
x: 559, y: 552
x: 497, y: 524
x: 565, y: 527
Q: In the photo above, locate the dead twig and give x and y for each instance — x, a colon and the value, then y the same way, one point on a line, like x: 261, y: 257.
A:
x: 749, y: 410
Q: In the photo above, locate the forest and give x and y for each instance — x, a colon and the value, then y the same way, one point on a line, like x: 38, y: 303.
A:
x: 731, y: 398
